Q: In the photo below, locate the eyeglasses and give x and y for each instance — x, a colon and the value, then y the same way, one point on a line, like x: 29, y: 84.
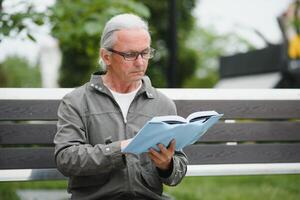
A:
x: 131, y: 56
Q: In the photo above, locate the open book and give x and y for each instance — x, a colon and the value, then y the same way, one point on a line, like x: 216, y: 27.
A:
x: 163, y: 129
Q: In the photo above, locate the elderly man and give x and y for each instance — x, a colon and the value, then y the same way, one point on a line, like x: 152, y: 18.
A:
x: 98, y: 119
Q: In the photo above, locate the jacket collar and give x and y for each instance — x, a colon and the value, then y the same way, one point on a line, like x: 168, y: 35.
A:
x: 97, y: 84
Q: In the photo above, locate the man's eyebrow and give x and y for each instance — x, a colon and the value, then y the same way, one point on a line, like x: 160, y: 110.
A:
x: 147, y: 49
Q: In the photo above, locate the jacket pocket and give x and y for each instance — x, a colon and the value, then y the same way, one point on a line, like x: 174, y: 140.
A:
x: 86, y: 181
x: 149, y: 175
x: 151, y: 181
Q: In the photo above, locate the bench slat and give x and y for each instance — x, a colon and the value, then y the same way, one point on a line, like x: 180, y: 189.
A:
x: 27, y: 133
x: 30, y: 174
x: 248, y: 109
x: 36, y: 158
x: 244, y: 109
x: 27, y: 158
x: 282, y: 131
x: 28, y: 109
x: 253, y: 131
x: 244, y: 153
x: 243, y: 169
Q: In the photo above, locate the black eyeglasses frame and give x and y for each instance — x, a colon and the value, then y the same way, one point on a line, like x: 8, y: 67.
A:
x: 132, y: 56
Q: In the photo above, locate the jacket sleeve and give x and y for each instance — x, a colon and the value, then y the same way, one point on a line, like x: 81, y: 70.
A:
x: 177, y: 171
x: 74, y: 156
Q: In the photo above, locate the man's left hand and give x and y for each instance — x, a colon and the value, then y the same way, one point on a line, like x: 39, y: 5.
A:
x: 163, y: 158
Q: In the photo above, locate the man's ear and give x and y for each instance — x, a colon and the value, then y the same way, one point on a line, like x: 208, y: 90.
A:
x: 106, y: 56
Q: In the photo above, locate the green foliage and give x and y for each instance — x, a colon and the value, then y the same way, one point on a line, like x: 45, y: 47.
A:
x: 7, y: 192
x: 208, y: 46
x: 17, y: 72
x: 159, y: 27
x: 12, y: 24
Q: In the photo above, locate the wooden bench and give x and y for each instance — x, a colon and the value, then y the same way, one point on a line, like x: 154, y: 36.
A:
x: 259, y: 133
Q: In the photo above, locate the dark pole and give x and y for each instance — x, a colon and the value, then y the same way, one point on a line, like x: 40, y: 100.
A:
x: 172, y: 44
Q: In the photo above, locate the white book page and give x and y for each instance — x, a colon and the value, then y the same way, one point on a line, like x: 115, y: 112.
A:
x: 169, y: 118
x: 201, y: 114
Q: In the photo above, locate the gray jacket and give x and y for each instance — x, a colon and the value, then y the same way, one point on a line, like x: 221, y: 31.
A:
x: 87, y: 144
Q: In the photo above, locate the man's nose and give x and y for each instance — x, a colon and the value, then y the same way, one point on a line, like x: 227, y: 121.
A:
x: 139, y: 60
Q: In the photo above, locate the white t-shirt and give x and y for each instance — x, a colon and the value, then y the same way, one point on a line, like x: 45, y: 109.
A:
x: 124, y: 100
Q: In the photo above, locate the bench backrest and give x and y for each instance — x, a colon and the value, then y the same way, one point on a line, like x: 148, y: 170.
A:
x: 259, y: 126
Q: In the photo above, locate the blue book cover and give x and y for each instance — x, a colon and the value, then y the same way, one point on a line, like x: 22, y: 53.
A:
x: 163, y: 129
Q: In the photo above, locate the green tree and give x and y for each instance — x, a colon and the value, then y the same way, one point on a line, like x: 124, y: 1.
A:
x: 17, y: 72
x: 159, y: 27
x: 13, y: 24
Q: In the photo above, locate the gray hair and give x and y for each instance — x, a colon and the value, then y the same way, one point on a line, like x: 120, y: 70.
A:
x: 116, y: 23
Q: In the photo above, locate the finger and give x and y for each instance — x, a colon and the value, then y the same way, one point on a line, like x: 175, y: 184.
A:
x: 165, y: 154
x: 172, y: 146
x: 154, y: 158
x: 163, y: 149
x: 159, y: 158
x: 168, y: 151
x: 155, y: 153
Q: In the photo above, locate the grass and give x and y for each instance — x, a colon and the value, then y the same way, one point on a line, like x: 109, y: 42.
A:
x: 8, y: 189
x: 275, y: 187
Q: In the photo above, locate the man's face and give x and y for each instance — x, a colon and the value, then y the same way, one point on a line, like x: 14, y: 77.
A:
x: 128, y: 41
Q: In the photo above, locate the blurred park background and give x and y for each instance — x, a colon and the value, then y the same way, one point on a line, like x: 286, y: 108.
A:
x: 200, y: 44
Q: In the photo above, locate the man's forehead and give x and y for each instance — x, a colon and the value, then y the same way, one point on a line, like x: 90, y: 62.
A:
x: 133, y: 39
x: 132, y: 32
